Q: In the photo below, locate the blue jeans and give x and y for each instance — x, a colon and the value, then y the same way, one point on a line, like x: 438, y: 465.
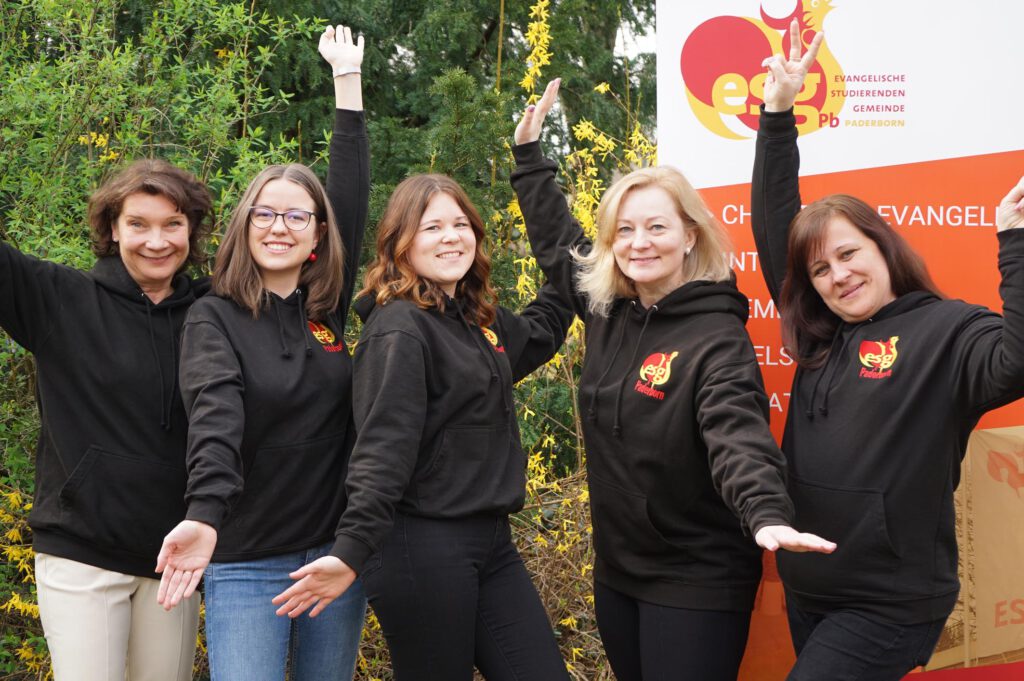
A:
x: 850, y: 646
x: 246, y: 641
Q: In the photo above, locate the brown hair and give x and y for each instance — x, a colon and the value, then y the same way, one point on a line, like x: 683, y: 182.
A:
x: 600, y: 277
x: 155, y: 177
x: 808, y: 325
x: 235, y: 273
x: 391, y: 275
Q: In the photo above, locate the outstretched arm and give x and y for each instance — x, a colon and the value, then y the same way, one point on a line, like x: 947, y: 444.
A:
x: 775, y: 187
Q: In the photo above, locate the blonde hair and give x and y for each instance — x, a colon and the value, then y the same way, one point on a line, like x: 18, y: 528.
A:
x: 600, y: 278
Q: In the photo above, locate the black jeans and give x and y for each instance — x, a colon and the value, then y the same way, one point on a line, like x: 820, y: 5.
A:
x: 451, y: 594
x: 647, y: 642
x: 850, y: 646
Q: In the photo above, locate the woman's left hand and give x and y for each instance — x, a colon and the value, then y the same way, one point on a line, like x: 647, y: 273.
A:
x: 320, y: 582
x: 185, y: 553
x: 775, y: 537
x: 532, y: 121
x: 340, y: 50
x: 1010, y: 214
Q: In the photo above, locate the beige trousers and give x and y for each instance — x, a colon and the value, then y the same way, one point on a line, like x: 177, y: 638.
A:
x: 100, y: 625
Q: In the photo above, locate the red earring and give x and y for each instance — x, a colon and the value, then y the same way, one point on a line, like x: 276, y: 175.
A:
x: 312, y: 257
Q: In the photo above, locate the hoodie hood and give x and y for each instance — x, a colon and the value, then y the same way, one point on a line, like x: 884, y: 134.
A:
x: 699, y: 297
x: 110, y: 273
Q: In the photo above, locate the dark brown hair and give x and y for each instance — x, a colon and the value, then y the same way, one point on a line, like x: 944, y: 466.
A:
x: 808, y: 325
x: 155, y: 177
x: 235, y: 273
x: 391, y: 275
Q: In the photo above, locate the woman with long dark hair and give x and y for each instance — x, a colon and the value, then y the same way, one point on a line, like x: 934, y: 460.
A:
x: 266, y: 379
x: 891, y: 379
x: 438, y: 465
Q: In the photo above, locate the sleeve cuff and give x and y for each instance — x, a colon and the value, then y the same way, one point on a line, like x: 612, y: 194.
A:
x: 352, y: 551
x: 776, y: 123
x: 528, y: 153
x: 349, y: 122
x: 210, y: 511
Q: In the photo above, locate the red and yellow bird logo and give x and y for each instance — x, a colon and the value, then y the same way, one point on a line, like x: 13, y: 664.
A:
x: 657, y: 368
x: 492, y: 338
x: 721, y: 67
x: 323, y: 334
x: 879, y: 355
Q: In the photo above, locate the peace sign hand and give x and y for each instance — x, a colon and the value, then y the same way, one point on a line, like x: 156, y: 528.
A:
x: 786, y: 77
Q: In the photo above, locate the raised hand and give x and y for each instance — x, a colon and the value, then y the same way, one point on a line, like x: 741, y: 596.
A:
x: 185, y: 553
x: 339, y: 49
x: 1010, y: 214
x: 775, y: 537
x: 320, y: 582
x: 786, y: 77
x: 532, y: 121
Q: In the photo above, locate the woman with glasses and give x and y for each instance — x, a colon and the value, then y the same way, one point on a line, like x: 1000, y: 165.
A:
x: 266, y: 380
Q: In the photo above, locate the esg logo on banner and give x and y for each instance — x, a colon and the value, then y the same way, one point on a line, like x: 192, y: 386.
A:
x: 721, y: 67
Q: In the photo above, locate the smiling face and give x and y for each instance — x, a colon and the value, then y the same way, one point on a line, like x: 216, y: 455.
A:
x: 444, y: 245
x: 651, y: 240
x: 850, y: 274
x: 152, y: 237
x: 279, y: 252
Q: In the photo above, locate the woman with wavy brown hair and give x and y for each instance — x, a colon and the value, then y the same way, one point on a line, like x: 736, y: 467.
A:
x: 438, y: 466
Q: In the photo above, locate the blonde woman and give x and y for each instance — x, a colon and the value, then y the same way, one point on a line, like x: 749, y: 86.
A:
x: 681, y: 465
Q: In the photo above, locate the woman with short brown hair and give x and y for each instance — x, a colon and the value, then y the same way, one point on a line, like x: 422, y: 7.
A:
x: 110, y: 466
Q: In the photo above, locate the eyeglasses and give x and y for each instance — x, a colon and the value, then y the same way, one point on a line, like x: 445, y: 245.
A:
x: 295, y: 220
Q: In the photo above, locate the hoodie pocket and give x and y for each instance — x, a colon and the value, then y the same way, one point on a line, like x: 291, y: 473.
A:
x: 123, y: 501
x: 854, y: 519
x: 625, y: 538
x: 292, y: 494
x: 468, y: 472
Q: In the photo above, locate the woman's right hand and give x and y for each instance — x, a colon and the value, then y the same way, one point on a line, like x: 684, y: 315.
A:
x: 320, y: 582
x: 532, y: 121
x: 775, y: 537
x: 340, y: 51
x: 785, y: 78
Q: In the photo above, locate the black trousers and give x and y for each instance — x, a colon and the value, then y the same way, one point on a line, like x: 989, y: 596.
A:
x: 451, y: 594
x: 647, y: 642
x: 847, y: 645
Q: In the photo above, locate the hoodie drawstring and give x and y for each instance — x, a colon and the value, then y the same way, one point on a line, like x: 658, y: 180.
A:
x: 617, y: 427
x: 592, y: 409
x: 164, y: 421
x: 285, y: 351
x: 834, y: 358
x: 303, y: 325
x: 479, y: 341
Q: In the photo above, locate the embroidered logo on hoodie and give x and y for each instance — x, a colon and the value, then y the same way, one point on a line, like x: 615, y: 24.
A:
x: 878, y: 358
x: 492, y: 338
x: 654, y: 371
x: 325, y: 337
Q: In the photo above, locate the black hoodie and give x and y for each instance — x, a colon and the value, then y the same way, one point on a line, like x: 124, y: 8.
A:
x: 875, y: 437
x: 269, y: 399
x: 675, y: 425
x: 438, y: 434
x: 110, y: 469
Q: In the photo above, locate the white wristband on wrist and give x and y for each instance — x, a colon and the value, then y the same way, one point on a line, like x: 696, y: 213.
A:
x: 345, y: 70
